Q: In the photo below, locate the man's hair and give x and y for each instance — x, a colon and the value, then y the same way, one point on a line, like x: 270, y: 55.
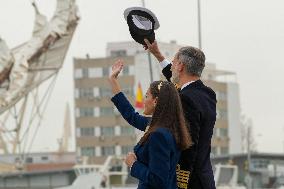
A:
x: 193, y: 59
x: 168, y: 114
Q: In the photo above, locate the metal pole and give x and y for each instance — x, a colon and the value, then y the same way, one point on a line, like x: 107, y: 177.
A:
x: 249, y: 155
x: 283, y: 140
x: 199, y: 25
x: 143, y: 3
x: 150, y: 66
x: 149, y: 55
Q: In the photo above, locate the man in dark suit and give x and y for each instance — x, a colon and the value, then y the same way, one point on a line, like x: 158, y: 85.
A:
x: 199, y: 105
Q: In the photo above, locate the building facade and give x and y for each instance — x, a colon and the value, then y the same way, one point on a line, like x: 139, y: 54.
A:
x: 227, y: 131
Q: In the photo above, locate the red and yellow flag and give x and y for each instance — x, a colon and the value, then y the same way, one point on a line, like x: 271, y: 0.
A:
x: 139, y: 97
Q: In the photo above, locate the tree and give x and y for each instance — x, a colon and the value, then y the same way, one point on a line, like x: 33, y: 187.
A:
x: 248, y: 140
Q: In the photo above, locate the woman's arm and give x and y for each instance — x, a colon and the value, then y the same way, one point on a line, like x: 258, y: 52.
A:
x: 128, y: 112
x: 122, y: 104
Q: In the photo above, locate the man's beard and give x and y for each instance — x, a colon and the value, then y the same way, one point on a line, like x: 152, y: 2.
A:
x: 175, y: 78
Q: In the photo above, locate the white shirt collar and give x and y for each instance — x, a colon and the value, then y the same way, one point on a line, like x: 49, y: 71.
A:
x: 186, y: 84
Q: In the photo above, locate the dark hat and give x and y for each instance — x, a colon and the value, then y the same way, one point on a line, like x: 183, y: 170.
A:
x: 141, y: 22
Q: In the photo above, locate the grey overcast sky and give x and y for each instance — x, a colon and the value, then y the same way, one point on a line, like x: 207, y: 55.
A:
x: 243, y: 36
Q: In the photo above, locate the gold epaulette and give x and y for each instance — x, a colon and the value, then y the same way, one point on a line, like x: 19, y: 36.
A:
x: 182, y: 177
x: 177, y: 86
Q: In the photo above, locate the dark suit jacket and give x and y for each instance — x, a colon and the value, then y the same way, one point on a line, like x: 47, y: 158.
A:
x: 156, y: 161
x: 199, y: 106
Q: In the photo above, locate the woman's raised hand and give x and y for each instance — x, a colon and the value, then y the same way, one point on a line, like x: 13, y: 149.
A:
x: 116, y: 69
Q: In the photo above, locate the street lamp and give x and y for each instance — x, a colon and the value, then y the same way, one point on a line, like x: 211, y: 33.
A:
x: 249, y: 156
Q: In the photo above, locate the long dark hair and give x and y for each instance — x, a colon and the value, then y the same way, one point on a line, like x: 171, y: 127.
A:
x: 168, y: 114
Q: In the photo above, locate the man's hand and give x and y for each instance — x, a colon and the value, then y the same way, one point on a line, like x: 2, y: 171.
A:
x: 116, y: 69
x: 130, y: 159
x: 154, y: 49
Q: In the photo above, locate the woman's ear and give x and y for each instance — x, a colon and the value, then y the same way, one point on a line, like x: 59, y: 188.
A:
x: 155, y: 101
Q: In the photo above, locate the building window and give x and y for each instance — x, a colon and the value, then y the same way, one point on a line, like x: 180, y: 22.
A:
x: 106, y: 111
x: 126, y: 149
x: 118, y: 53
x: 87, y: 151
x: 223, y: 132
x: 214, y: 150
x: 128, y: 91
x: 125, y: 70
x: 127, y: 131
x: 220, y: 95
x: 86, y: 112
x: 108, y: 150
x: 95, y: 72
x: 217, y: 114
x: 29, y: 160
x: 105, y: 71
x: 260, y: 163
x: 78, y: 130
x: 105, y: 92
x: 107, y: 131
x: 85, y: 72
x: 90, y: 131
x: 76, y: 94
x: 78, y: 73
x: 210, y: 77
x: 44, y: 158
x: 224, y: 150
x: 86, y: 93
x: 17, y: 160
x: 222, y: 114
x: 214, y: 132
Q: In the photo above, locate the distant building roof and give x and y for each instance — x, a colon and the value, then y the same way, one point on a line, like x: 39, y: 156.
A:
x: 41, y: 167
x: 254, y: 154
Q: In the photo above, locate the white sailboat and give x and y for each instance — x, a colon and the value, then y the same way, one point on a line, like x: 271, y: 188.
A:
x: 25, y: 68
x: 226, y: 177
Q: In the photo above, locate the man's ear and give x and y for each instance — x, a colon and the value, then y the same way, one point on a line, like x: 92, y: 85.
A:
x: 181, y: 67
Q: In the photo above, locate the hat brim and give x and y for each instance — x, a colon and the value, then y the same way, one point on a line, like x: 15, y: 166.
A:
x: 128, y: 10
